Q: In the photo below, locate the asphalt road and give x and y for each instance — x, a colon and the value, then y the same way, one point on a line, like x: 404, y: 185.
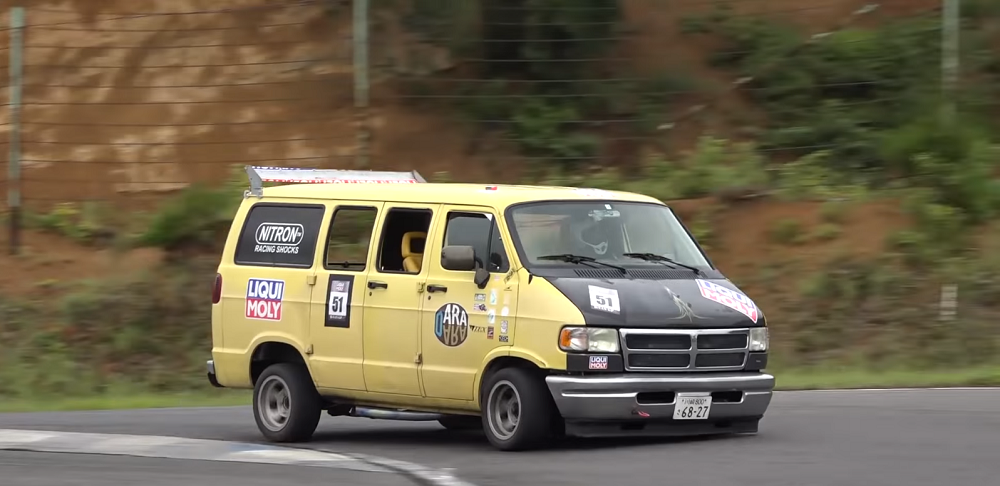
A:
x: 870, y: 438
x: 49, y: 469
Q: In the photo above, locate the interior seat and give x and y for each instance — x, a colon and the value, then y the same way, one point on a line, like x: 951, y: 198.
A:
x: 413, y: 250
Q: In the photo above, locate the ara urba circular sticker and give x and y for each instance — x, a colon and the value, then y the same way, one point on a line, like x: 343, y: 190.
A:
x: 451, y: 324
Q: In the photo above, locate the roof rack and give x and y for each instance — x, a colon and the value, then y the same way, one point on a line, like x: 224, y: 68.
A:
x: 259, y: 175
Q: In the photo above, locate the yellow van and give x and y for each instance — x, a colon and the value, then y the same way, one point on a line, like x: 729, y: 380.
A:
x: 528, y: 312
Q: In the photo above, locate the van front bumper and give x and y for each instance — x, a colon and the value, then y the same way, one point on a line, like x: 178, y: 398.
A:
x: 643, y: 403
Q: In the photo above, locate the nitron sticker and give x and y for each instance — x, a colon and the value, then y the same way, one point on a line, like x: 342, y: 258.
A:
x: 603, y: 299
x: 451, y: 324
x: 279, y: 238
x: 598, y: 363
x: 264, y: 299
x: 729, y: 298
x: 338, y: 301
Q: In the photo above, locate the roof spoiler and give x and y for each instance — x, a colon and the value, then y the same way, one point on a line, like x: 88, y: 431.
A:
x: 259, y: 175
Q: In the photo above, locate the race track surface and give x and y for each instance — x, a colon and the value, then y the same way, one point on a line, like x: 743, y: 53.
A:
x: 869, y: 438
x: 49, y: 469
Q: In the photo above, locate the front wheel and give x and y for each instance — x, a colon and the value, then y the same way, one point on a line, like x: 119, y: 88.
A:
x: 518, y: 411
x: 286, y: 405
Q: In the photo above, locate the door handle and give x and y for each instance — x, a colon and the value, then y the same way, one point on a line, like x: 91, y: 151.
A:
x: 436, y: 288
x: 372, y: 284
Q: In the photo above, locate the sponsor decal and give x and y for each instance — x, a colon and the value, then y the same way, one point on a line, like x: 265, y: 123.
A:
x: 504, y: 311
x: 451, y: 324
x: 504, y: 338
x: 684, y: 308
x: 489, y: 332
x: 729, y: 298
x: 480, y: 298
x: 598, y: 363
x: 603, y: 299
x: 338, y: 301
x: 503, y: 327
x: 510, y: 275
x: 493, y: 297
x: 491, y: 316
x: 477, y: 329
x: 264, y: 299
x: 479, y: 307
x: 279, y: 238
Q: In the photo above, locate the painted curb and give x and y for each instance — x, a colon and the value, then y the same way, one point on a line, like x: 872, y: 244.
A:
x: 176, y: 448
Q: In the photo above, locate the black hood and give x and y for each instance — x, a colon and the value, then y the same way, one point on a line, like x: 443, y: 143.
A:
x: 670, y: 303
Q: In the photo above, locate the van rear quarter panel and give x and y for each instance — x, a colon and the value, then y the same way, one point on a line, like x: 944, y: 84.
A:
x: 239, y: 326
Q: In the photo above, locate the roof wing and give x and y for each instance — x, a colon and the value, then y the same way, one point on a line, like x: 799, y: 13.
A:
x: 259, y: 175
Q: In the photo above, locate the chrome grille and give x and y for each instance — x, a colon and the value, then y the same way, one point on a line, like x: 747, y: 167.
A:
x: 685, y: 350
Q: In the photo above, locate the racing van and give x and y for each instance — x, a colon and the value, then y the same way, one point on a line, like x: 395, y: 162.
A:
x: 529, y: 312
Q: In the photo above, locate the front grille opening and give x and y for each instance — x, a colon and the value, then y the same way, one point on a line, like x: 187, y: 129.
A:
x: 722, y: 341
x: 658, y: 341
x: 717, y: 360
x: 727, y: 396
x: 659, y: 360
x: 655, y: 398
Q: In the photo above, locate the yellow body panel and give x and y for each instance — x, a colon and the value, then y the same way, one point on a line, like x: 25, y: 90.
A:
x: 390, y: 351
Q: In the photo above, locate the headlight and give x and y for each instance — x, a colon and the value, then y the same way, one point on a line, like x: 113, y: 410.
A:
x: 759, y: 339
x: 588, y: 340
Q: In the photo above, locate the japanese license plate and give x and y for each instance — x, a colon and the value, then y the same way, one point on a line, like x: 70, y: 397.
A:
x: 692, y: 406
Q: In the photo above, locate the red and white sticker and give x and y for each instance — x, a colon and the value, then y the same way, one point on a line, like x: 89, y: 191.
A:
x: 598, y: 363
x: 729, y: 298
x: 264, y: 299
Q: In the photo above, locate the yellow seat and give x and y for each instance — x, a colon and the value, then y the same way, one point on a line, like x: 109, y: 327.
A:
x: 413, y: 250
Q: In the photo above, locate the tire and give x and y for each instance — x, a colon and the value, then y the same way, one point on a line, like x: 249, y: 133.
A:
x: 519, y: 392
x: 461, y: 422
x: 286, y: 406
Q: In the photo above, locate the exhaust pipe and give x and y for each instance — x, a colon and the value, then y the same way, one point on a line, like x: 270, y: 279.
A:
x: 378, y: 413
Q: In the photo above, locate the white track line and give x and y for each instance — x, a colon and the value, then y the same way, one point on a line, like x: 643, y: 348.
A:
x: 164, y: 447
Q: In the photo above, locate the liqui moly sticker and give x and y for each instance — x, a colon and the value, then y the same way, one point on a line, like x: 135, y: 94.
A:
x: 264, y: 299
x: 598, y: 363
x: 729, y: 298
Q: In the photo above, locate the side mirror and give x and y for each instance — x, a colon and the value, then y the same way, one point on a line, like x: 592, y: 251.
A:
x: 462, y: 258
x: 459, y: 258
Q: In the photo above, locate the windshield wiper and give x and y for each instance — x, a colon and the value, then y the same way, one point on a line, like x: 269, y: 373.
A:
x: 580, y: 259
x: 653, y: 257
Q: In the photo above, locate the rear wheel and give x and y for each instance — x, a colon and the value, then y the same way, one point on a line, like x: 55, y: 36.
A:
x: 461, y: 422
x: 517, y: 410
x: 286, y: 405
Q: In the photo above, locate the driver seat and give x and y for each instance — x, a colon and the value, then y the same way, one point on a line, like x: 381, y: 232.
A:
x: 413, y: 250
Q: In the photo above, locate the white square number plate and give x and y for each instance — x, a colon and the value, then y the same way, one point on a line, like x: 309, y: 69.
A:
x: 692, y: 406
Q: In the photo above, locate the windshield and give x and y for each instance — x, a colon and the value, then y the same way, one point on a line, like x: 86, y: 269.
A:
x: 603, y: 230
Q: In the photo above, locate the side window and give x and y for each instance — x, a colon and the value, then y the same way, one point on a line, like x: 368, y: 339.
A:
x: 401, y: 249
x: 280, y: 235
x: 481, y: 232
x: 349, y: 238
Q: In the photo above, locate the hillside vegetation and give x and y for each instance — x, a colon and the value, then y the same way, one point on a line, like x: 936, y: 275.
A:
x: 819, y: 172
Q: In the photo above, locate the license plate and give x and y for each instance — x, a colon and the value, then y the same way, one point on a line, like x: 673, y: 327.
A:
x: 692, y: 406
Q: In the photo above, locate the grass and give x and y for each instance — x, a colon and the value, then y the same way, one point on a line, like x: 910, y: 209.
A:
x: 786, y: 380
x: 125, y: 401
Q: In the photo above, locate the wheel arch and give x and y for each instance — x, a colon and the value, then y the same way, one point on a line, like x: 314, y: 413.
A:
x: 268, y: 353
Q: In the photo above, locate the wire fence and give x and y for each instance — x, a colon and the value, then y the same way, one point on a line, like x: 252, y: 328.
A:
x: 132, y: 100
